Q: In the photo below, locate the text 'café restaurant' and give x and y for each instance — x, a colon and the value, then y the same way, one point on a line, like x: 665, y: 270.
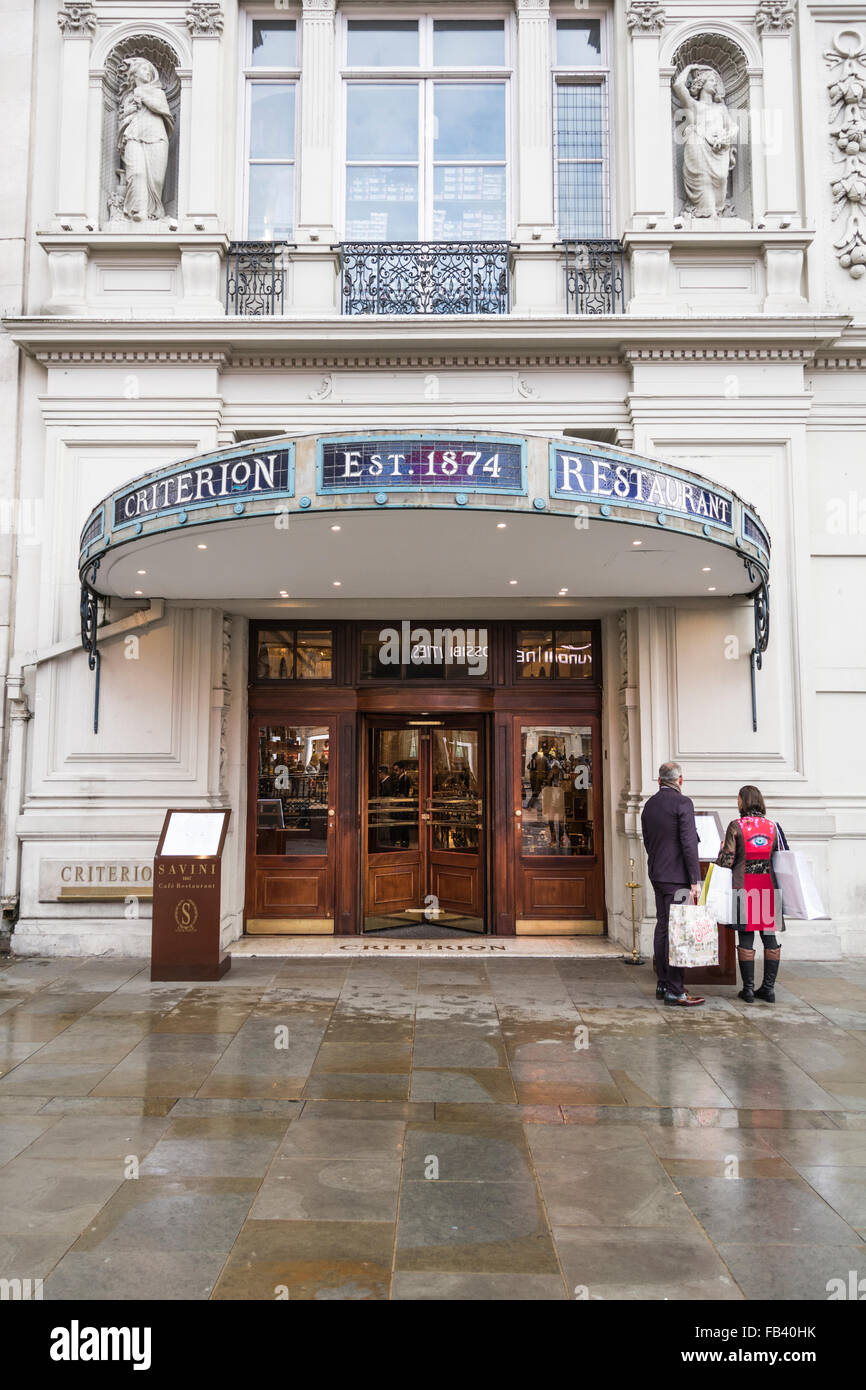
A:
x: 423, y: 670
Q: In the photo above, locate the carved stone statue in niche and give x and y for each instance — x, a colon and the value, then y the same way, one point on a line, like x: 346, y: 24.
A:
x: 709, y: 136
x: 144, y: 127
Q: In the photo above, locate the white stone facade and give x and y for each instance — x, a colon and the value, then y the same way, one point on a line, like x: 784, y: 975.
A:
x: 740, y: 355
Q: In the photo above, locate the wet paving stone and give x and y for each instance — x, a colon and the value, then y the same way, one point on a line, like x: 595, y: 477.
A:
x: 430, y: 1129
x: 340, y: 1260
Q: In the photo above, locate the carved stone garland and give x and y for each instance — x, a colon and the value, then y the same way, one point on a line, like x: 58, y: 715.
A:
x: 847, y: 91
x: 77, y: 19
x: 204, y: 18
x: 774, y: 15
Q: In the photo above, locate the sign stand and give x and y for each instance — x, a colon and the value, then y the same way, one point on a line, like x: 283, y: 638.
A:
x: 186, y: 897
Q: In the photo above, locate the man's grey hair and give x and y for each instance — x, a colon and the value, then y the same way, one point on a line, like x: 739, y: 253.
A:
x: 670, y: 773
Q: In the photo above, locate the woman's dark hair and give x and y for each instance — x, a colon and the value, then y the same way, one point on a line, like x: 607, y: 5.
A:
x: 753, y: 802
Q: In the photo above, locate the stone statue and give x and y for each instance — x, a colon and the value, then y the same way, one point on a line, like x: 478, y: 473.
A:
x: 144, y: 128
x: 709, y: 136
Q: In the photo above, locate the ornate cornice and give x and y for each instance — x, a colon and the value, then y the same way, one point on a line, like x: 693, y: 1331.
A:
x: 645, y: 17
x: 204, y: 19
x: 72, y: 356
x: 77, y: 19
x: 774, y: 16
x: 444, y: 362
x: 321, y: 8
x: 718, y: 354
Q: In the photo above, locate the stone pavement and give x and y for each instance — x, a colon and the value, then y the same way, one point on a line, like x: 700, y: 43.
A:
x: 434, y: 1128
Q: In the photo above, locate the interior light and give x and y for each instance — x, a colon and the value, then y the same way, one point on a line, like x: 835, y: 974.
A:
x: 637, y: 542
x: 336, y: 528
x: 337, y: 583
x: 711, y: 589
x: 512, y: 581
x: 138, y: 593
x: 501, y: 525
x: 706, y: 569
x: 201, y: 546
x: 141, y: 571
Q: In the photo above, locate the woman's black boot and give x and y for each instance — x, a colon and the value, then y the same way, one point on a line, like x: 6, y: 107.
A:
x: 771, y: 970
x: 747, y: 970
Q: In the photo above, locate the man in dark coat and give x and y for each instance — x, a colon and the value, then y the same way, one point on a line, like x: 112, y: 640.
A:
x: 671, y: 841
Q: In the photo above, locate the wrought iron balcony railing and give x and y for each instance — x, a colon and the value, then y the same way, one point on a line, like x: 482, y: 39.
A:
x: 425, y: 277
x: 594, y: 277
x: 255, y: 277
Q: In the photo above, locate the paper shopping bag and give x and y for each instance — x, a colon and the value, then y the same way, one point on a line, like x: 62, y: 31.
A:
x: 717, y: 893
x: 796, y: 885
x: 693, y: 936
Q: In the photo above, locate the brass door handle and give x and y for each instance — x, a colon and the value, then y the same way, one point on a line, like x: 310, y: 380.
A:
x: 518, y: 812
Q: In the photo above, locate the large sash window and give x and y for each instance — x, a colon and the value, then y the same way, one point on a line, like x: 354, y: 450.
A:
x: 426, y: 111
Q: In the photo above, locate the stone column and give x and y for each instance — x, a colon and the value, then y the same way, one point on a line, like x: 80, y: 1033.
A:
x: 315, y: 219
x: 650, y: 118
x: 204, y: 20
x: 538, y: 278
x: 78, y: 25
x: 314, y: 281
x: 776, y: 133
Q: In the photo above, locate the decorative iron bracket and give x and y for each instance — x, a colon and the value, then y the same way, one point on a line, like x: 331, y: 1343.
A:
x: 761, y: 601
x: 89, y: 621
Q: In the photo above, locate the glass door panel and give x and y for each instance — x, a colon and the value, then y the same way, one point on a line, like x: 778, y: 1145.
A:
x: 556, y: 790
x: 423, y: 836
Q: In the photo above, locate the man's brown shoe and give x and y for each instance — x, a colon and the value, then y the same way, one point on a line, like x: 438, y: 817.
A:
x: 684, y: 1000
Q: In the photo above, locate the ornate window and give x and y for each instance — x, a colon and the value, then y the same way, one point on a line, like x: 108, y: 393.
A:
x: 426, y: 119
x: 581, y: 127
x: 271, y: 73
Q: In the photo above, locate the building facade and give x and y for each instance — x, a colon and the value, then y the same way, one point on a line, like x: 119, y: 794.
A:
x: 420, y: 421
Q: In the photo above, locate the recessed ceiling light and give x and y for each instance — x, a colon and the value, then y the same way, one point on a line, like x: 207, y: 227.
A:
x: 637, y: 542
x: 141, y: 571
x: 336, y: 528
x: 201, y: 546
x: 706, y: 569
x: 512, y: 581
x: 563, y: 591
x: 337, y: 583
x: 138, y: 593
x: 284, y: 593
x: 501, y: 525
x: 711, y: 589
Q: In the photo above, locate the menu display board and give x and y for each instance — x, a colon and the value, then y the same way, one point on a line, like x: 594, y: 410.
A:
x: 186, y: 897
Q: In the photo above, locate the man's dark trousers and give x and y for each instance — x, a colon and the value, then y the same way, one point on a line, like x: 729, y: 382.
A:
x: 671, y: 976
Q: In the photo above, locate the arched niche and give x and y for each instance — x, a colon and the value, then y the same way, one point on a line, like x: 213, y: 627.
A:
x: 164, y: 58
x: 725, y: 57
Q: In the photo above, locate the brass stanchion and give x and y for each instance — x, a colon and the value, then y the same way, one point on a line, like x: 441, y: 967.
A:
x: 634, y: 958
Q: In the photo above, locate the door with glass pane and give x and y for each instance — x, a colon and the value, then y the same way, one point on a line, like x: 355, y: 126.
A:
x: 557, y: 824
x: 291, y: 873
x: 424, y: 824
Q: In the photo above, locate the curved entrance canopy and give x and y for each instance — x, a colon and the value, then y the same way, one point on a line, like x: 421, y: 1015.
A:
x: 385, y: 515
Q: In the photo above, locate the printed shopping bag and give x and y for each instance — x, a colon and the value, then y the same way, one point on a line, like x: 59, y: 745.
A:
x: 693, y: 936
x: 795, y: 883
x: 717, y: 893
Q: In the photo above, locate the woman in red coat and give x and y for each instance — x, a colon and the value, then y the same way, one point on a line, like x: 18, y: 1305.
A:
x: 750, y: 843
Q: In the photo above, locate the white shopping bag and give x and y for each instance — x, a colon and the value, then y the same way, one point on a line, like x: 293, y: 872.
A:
x: 717, y: 893
x: 796, y: 885
x: 693, y: 935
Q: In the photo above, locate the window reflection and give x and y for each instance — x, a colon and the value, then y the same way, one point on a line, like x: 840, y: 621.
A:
x: 284, y: 654
x: 554, y: 654
x: 578, y: 43
x: 468, y: 43
x: 382, y: 43
x: 455, y: 807
x: 275, y: 43
x: 292, y: 804
x: 393, y: 807
x: 556, y: 790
